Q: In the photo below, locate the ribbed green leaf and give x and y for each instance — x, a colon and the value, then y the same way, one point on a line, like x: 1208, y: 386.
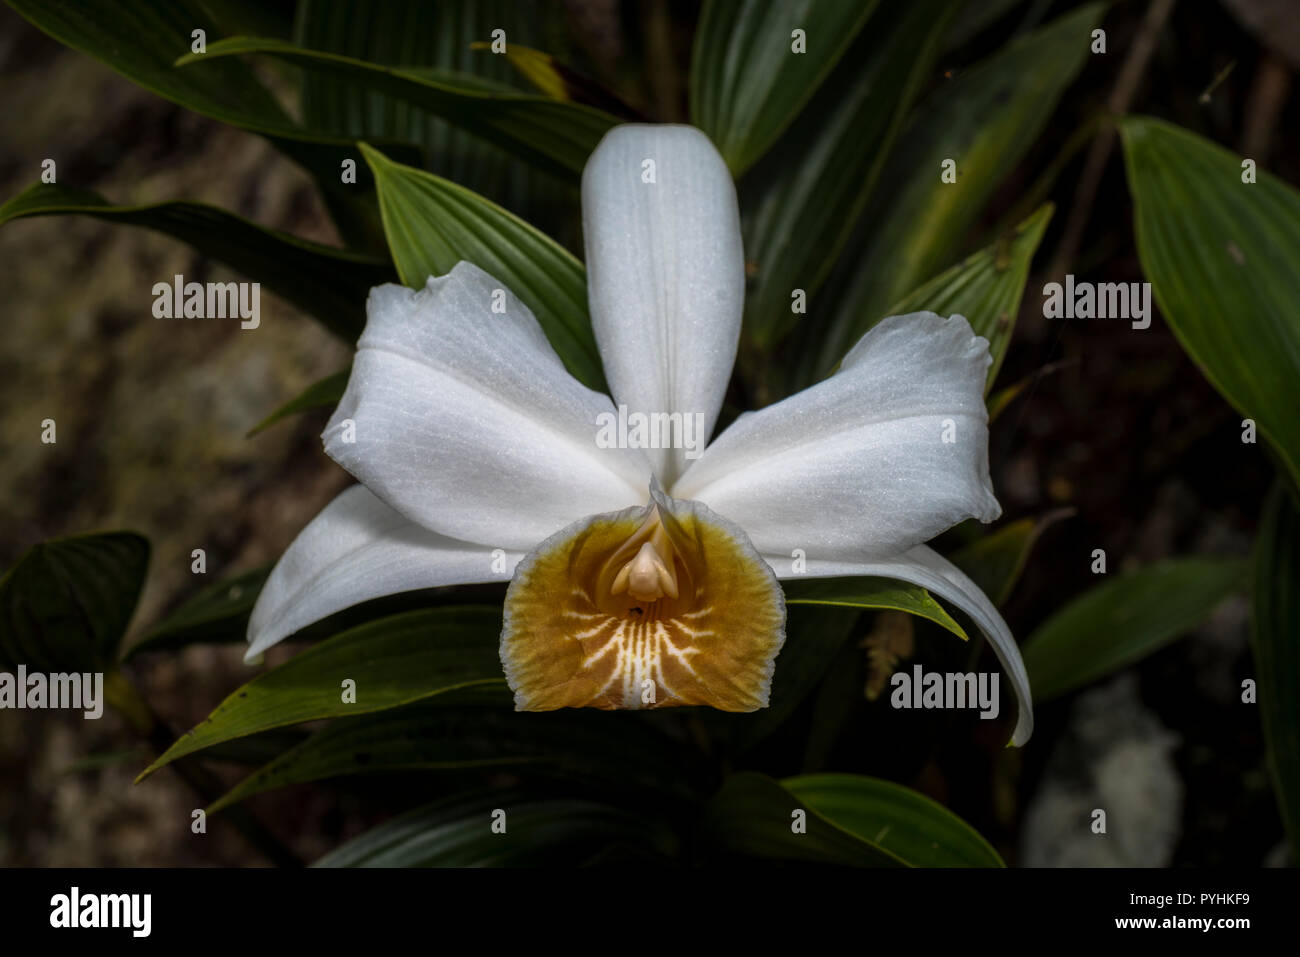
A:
x: 319, y: 395
x: 747, y: 84
x: 614, y: 748
x: 985, y: 121
x: 555, y: 136
x: 1223, y: 260
x: 986, y: 288
x: 66, y: 604
x: 1125, y: 619
x: 434, y: 40
x: 910, y: 825
x: 874, y: 593
x: 393, y: 661
x: 433, y: 224
x: 330, y: 284
x: 218, y: 613
x: 459, y: 832
x: 1274, y: 640
x: 817, y: 179
x: 755, y: 817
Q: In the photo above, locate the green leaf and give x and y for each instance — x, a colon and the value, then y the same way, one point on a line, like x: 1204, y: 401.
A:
x: 394, y: 661
x: 555, y: 136
x: 432, y: 224
x: 330, y: 284
x: 747, y: 84
x: 819, y: 176
x: 254, y: 750
x: 66, y: 604
x: 752, y: 816
x: 218, y: 613
x: 1125, y: 619
x: 555, y: 79
x: 986, y: 288
x: 323, y: 394
x: 1275, y: 628
x: 1223, y: 260
x: 250, y: 16
x: 141, y: 42
x: 608, y: 747
x: 995, y: 561
x: 458, y: 832
x: 910, y: 825
x: 875, y: 593
x: 435, y: 41
x: 985, y: 120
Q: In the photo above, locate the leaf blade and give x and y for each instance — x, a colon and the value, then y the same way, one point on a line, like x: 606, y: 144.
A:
x: 65, y: 604
x: 747, y: 84
x: 432, y: 224
x: 1123, y: 620
x: 327, y: 283
x: 392, y: 661
x: 554, y: 135
x: 985, y: 121
x: 753, y: 815
x: 871, y: 593
x: 1219, y: 255
x: 918, y: 830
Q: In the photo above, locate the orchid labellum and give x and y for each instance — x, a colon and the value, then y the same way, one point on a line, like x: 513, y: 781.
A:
x: 639, y: 576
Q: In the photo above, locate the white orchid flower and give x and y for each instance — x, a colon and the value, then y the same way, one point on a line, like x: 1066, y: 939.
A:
x: 639, y: 577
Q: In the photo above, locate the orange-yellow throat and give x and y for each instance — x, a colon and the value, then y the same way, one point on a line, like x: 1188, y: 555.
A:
x: 649, y: 607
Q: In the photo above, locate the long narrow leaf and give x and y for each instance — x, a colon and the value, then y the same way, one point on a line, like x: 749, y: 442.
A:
x: 329, y: 284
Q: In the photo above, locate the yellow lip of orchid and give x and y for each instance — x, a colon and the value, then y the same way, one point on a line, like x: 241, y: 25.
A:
x: 639, y: 577
x: 666, y: 604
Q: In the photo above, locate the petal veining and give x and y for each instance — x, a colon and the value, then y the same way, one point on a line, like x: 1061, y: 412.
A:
x: 665, y: 274
x: 649, y: 607
x: 356, y: 549
x: 888, y: 452
x: 460, y: 415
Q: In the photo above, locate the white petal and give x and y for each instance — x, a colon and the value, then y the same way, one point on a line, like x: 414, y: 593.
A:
x: 665, y: 274
x: 927, y: 568
x: 357, y: 549
x: 465, y: 420
x: 885, y: 454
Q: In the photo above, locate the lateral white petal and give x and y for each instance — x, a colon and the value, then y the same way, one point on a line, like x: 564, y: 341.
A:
x: 356, y: 549
x: 925, y: 567
x: 665, y: 273
x: 465, y: 420
x: 888, y: 452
